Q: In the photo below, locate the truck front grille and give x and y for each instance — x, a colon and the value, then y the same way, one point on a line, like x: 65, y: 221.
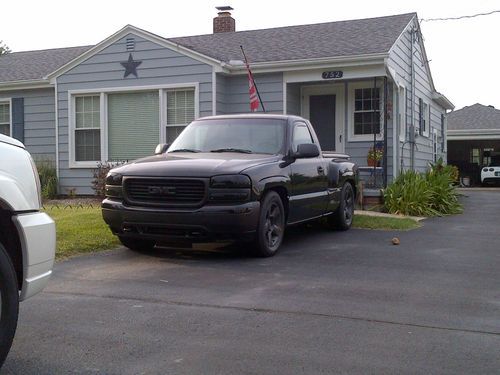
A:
x: 164, y: 191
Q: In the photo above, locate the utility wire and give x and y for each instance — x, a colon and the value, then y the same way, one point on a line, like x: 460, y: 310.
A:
x: 459, y: 18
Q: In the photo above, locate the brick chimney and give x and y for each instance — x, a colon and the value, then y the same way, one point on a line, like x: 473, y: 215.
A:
x: 224, y: 23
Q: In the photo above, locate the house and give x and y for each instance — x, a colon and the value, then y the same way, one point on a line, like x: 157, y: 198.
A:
x: 359, y: 81
x: 473, y: 132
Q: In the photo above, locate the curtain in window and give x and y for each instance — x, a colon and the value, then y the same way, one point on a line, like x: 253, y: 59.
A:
x: 133, y: 125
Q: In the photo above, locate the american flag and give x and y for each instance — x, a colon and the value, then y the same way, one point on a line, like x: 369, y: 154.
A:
x: 254, y: 99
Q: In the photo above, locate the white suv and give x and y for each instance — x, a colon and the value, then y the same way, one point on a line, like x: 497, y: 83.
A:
x: 27, y: 236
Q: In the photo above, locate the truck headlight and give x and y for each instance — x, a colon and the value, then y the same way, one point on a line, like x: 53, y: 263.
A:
x: 229, y: 188
x: 237, y: 181
x: 114, y: 185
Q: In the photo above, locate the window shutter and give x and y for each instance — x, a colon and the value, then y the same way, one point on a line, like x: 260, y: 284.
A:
x: 18, y: 119
x: 133, y: 125
x: 420, y: 116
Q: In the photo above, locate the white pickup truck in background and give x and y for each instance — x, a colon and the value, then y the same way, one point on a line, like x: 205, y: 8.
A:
x: 27, y: 236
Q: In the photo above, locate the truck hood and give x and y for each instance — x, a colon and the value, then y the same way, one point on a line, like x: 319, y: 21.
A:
x: 194, y: 164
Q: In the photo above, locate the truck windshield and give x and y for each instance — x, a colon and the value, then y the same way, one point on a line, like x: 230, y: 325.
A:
x: 254, y: 135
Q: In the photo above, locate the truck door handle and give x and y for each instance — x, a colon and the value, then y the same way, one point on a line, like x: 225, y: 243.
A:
x: 321, y: 170
x: 340, y: 138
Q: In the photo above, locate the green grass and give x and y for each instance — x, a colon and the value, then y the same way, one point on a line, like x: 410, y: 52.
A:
x: 80, y: 230
x: 384, y: 223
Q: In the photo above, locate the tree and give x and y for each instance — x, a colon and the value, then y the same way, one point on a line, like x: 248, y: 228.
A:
x: 4, y: 48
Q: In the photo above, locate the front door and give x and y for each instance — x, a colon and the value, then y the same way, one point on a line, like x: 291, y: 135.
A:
x: 323, y: 105
x: 322, y: 117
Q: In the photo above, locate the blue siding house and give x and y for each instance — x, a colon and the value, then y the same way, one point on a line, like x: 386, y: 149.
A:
x: 360, y: 82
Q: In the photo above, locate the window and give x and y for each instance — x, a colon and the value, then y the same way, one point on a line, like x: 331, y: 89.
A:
x: 402, y: 113
x: 366, y: 111
x: 87, y: 128
x: 423, y: 117
x: 180, y: 112
x: 475, y: 157
x: 5, y: 118
x: 434, y: 145
x: 301, y: 135
x: 133, y: 124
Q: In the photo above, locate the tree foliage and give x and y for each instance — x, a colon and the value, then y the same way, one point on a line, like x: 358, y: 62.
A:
x: 4, y: 48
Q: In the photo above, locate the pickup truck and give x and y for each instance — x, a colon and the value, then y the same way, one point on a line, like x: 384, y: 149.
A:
x: 239, y: 177
x: 27, y: 236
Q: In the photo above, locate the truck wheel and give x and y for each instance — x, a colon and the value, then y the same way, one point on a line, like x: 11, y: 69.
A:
x: 271, y: 226
x: 141, y: 246
x: 9, y: 304
x: 342, y: 217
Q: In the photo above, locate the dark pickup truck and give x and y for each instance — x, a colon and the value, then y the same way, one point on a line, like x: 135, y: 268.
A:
x: 240, y: 177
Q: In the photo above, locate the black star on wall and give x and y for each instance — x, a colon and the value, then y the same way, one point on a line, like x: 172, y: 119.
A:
x: 130, y: 66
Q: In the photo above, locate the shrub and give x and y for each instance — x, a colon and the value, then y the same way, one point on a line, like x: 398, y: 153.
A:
x: 99, y: 175
x: 423, y: 194
x: 48, y: 178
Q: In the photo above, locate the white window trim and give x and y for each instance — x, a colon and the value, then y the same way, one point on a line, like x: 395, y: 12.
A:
x: 103, y: 92
x: 402, y: 103
x: 350, y: 100
x: 427, y: 131
x: 9, y: 101
x: 163, y: 114
x: 426, y: 117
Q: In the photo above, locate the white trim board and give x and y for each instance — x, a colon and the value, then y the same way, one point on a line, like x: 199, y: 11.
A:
x: 8, y: 100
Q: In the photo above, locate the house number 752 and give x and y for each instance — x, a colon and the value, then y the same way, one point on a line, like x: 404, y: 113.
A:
x: 332, y: 74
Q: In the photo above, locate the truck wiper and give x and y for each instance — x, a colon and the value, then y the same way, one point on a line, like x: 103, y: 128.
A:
x: 185, y: 150
x: 240, y: 150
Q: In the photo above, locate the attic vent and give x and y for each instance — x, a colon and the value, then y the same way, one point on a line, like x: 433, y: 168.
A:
x: 130, y: 43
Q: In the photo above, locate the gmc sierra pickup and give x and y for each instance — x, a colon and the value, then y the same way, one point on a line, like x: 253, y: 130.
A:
x: 241, y: 177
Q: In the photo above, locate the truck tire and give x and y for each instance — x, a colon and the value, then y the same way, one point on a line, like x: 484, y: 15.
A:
x: 271, y: 227
x: 141, y: 246
x: 9, y: 304
x: 343, y: 216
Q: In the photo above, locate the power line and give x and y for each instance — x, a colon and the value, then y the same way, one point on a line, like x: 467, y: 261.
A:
x: 459, y: 18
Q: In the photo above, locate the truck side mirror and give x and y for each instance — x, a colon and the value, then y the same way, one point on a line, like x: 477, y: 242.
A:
x: 161, y: 148
x: 306, y: 150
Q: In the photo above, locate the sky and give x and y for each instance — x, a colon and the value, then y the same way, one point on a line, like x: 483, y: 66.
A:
x: 464, y: 55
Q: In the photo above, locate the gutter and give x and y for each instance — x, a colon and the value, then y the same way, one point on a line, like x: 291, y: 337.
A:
x: 25, y: 84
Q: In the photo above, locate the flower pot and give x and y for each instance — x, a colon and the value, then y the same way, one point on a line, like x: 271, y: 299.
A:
x: 372, y: 162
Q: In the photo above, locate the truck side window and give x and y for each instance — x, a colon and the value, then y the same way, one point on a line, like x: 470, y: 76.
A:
x: 301, y: 135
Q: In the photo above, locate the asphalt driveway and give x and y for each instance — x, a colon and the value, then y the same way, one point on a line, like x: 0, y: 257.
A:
x: 330, y: 302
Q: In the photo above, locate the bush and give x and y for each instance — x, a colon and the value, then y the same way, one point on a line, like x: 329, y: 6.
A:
x: 423, y: 194
x: 48, y: 178
x: 99, y: 175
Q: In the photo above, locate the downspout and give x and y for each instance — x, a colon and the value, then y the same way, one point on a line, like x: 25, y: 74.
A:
x: 385, y: 132
x: 56, y: 108
x: 412, y: 101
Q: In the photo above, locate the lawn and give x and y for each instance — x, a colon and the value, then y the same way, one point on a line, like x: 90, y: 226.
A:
x: 80, y: 230
x: 384, y: 223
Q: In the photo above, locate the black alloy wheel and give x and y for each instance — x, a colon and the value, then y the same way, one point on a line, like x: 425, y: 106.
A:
x: 271, y: 225
x: 343, y: 216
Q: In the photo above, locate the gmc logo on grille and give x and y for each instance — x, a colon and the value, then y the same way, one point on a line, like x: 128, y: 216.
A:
x: 161, y: 190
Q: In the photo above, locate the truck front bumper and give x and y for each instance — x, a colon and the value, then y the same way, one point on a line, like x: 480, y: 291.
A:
x: 37, y: 233
x: 204, y: 224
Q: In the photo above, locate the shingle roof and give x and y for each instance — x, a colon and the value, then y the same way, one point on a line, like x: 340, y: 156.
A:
x: 332, y: 39
x: 476, y: 116
x: 324, y: 40
x: 33, y: 65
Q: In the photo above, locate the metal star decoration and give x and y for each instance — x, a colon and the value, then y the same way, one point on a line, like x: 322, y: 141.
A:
x: 130, y: 66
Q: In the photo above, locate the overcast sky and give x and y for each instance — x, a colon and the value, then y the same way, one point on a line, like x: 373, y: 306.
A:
x: 464, y: 54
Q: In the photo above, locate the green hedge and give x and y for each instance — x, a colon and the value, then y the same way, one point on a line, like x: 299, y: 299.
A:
x: 424, y: 194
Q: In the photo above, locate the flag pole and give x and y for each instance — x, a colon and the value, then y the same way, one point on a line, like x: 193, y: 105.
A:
x: 253, y: 80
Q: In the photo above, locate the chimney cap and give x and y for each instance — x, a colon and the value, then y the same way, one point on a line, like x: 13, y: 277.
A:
x: 224, y: 8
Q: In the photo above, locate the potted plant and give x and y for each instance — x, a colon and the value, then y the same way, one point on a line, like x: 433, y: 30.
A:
x: 375, y: 155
